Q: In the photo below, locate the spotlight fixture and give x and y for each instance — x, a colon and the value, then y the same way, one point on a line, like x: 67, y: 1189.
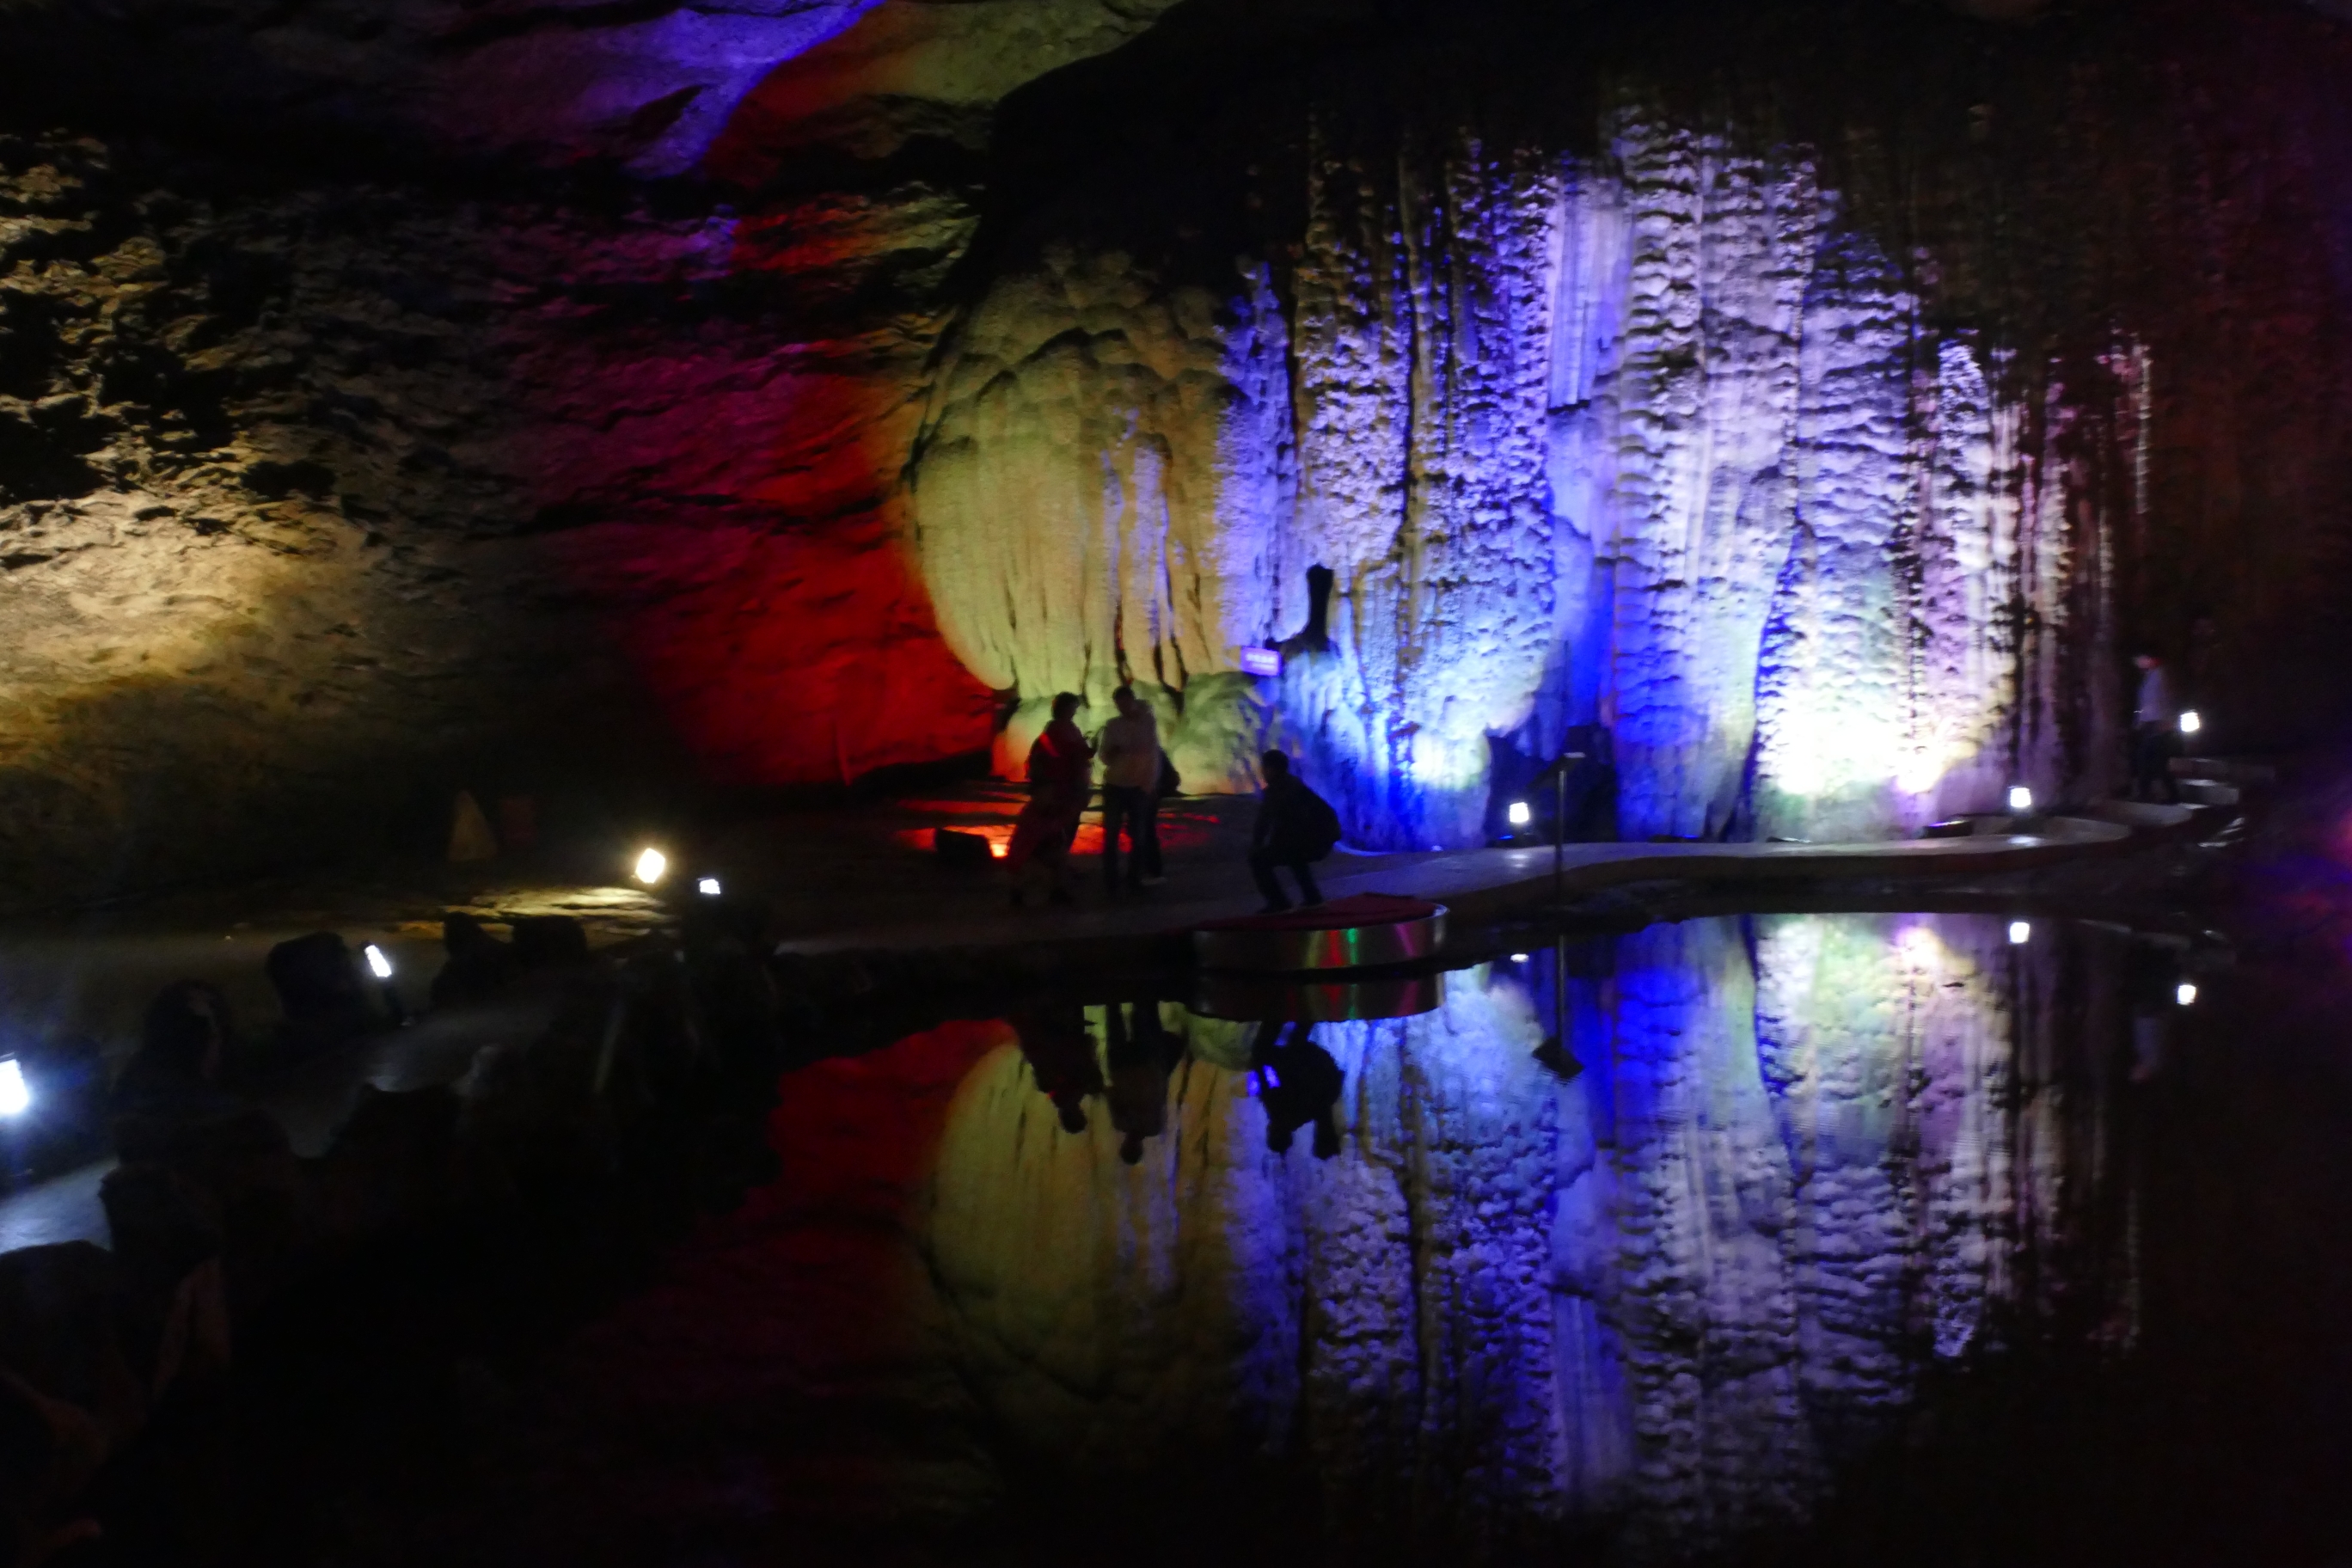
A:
x: 2186, y: 994
x: 2019, y: 933
x: 2021, y: 800
x: 1521, y: 814
x: 378, y: 964
x: 2190, y: 722
x: 709, y: 887
x: 1518, y: 958
x: 652, y: 866
x: 15, y: 1094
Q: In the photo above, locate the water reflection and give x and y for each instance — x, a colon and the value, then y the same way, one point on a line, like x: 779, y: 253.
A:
x: 1807, y: 1158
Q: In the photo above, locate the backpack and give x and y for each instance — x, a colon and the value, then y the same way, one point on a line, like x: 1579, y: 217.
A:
x: 1319, y: 825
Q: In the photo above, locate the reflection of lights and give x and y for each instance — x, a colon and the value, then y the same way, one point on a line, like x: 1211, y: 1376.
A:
x: 2186, y: 994
x: 2190, y: 722
x: 1921, y: 948
x: 1919, y: 773
x: 2019, y: 933
x: 651, y: 864
x: 708, y: 887
x: 1521, y: 814
x: 2021, y: 799
x: 378, y: 964
x: 15, y: 1094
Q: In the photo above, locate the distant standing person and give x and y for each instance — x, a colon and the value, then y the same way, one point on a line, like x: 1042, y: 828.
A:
x: 2156, y: 717
x: 1061, y: 777
x: 1130, y: 758
x: 1296, y: 827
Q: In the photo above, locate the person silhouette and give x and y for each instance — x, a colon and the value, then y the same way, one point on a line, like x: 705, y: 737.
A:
x: 1061, y: 1056
x: 1141, y: 1058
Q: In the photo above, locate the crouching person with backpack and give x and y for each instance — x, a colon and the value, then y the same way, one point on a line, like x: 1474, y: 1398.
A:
x: 1296, y: 827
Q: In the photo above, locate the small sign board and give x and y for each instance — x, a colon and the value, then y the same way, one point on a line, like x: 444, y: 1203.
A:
x: 1260, y: 661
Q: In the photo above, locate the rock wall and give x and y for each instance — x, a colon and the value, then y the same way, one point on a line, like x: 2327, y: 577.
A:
x: 1654, y: 440
x: 419, y: 396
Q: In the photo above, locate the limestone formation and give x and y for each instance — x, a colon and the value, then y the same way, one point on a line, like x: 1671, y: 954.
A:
x: 1641, y: 439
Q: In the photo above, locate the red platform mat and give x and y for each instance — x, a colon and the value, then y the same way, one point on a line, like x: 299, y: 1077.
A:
x: 1341, y: 914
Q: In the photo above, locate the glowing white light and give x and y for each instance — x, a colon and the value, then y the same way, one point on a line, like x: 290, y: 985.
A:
x: 1518, y: 958
x: 1521, y: 814
x: 2190, y: 722
x: 2186, y: 994
x: 708, y: 887
x: 651, y: 864
x: 2019, y: 933
x: 2021, y: 799
x: 378, y: 964
x: 15, y: 1094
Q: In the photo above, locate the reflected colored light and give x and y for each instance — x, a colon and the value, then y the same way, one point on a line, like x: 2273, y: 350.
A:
x: 709, y: 887
x: 2019, y: 933
x: 1521, y: 814
x: 15, y: 1094
x: 2190, y: 722
x: 2186, y: 994
x: 652, y: 866
x: 378, y: 964
x: 2021, y: 799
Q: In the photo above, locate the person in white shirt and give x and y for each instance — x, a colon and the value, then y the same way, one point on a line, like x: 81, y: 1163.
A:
x: 2155, y: 717
x: 1130, y: 758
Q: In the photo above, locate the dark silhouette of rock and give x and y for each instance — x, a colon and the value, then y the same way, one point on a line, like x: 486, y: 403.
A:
x: 479, y: 967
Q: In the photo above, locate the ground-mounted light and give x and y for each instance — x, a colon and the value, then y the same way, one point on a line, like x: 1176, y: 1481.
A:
x: 2186, y: 995
x: 1518, y: 958
x: 1521, y: 814
x: 2021, y: 800
x: 2019, y: 933
x: 651, y: 866
x: 15, y: 1094
x: 2191, y: 721
x: 379, y: 964
x: 708, y: 887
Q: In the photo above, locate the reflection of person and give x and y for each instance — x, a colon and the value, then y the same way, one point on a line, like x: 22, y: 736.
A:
x: 1298, y: 1082
x: 1130, y: 758
x: 1061, y: 777
x: 1061, y: 1056
x: 1141, y: 1060
x: 2155, y: 715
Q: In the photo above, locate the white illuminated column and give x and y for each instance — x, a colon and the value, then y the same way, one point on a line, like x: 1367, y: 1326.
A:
x: 651, y: 866
x: 2021, y: 799
x: 1521, y: 814
x: 2190, y: 722
x: 15, y: 1094
x: 2019, y: 933
x: 2186, y: 994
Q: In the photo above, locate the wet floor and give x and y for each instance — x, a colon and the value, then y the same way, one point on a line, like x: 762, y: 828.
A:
x: 1927, y: 1238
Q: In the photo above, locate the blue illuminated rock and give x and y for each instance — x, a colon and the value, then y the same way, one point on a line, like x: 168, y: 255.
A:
x: 1639, y: 438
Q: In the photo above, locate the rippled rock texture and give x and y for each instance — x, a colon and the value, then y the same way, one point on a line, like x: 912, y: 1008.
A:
x: 1651, y: 439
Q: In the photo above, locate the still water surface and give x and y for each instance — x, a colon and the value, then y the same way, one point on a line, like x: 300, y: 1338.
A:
x: 1848, y: 1237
